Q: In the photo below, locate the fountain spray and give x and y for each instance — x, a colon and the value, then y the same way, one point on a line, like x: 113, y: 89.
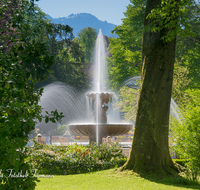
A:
x: 100, y: 128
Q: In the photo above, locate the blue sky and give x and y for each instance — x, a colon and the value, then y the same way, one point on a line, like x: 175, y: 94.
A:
x: 109, y: 10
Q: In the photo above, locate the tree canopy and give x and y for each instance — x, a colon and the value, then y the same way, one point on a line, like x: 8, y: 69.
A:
x: 86, y: 38
x: 125, y: 61
x: 68, y: 66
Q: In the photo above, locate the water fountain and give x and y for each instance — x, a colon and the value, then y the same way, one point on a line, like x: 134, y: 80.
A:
x: 100, y: 97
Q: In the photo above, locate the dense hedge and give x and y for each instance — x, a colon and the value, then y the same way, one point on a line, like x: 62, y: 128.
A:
x: 75, y: 159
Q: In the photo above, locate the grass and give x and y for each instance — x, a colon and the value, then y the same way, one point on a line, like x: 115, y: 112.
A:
x: 111, y: 179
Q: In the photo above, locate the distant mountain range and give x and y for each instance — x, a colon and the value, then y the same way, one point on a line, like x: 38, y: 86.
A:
x: 82, y: 20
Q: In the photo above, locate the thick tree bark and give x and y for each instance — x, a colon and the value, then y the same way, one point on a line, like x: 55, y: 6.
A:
x: 150, y: 148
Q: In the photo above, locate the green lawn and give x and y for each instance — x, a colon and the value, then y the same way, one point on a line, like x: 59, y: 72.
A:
x: 110, y: 179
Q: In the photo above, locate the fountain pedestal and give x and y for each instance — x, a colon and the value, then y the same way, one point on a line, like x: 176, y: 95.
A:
x: 102, y: 109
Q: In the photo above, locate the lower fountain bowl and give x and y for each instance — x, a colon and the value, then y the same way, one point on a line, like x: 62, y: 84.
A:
x: 104, y: 129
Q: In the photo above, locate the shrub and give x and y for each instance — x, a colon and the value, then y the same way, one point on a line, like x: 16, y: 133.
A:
x: 75, y: 159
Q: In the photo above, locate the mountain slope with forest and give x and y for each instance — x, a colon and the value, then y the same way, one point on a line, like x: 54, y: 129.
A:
x: 82, y: 20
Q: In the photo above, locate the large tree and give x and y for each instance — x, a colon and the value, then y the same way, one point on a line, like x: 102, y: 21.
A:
x: 150, y: 148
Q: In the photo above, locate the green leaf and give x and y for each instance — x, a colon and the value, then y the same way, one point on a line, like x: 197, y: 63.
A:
x: 46, y: 119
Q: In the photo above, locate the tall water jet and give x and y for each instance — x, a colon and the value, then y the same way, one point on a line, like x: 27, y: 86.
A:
x: 99, y: 79
x: 100, y: 128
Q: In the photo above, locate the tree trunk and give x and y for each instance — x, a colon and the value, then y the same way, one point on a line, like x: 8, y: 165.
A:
x: 150, y: 148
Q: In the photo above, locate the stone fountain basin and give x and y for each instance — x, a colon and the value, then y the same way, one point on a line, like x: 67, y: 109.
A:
x: 105, y: 129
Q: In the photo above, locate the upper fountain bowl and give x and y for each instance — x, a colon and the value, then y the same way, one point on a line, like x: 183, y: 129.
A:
x: 103, y: 96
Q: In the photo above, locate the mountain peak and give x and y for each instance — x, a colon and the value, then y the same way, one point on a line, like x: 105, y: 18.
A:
x: 71, y: 16
x: 80, y: 15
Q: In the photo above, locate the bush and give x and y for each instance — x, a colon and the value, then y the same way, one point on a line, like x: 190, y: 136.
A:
x: 182, y: 162
x: 75, y: 159
x: 185, y: 135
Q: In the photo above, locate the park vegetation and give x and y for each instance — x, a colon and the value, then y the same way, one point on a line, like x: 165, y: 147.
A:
x: 33, y: 52
x: 162, y: 48
x: 25, y: 59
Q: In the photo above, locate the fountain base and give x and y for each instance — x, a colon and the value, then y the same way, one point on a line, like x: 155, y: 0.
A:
x: 104, y: 130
